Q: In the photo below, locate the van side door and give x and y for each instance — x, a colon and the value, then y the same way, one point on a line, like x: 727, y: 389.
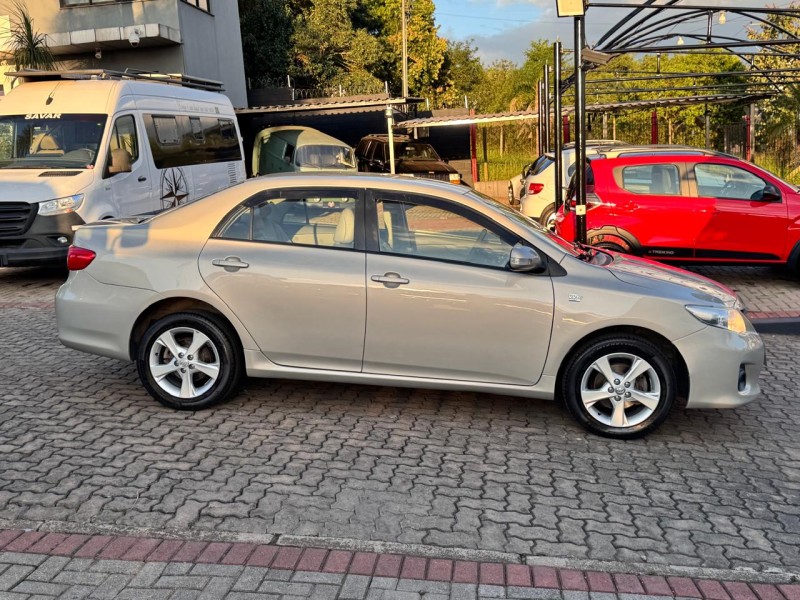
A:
x: 127, y: 170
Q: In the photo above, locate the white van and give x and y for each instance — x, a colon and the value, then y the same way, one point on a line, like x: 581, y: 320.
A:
x: 81, y: 146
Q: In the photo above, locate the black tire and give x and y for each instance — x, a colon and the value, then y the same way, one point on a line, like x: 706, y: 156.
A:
x: 659, y: 381
x: 220, y: 351
x: 547, y: 214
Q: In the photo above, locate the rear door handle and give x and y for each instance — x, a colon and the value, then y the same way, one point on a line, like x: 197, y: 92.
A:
x: 390, y: 280
x: 142, y: 178
x: 230, y: 263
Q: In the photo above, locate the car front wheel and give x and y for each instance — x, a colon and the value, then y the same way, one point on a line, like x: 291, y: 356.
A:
x: 619, y: 386
x: 188, y: 361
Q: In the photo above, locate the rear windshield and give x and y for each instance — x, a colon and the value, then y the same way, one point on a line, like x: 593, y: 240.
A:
x: 324, y: 156
x: 541, y: 164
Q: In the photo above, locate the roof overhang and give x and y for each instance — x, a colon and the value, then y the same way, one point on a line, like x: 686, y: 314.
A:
x: 332, y: 106
x: 88, y: 40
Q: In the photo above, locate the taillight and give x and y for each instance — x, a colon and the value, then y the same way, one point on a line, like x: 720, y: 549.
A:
x: 79, y: 258
x: 535, y: 188
x: 592, y: 201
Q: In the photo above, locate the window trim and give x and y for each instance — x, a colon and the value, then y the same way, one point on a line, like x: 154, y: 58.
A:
x: 373, y: 242
x: 299, y: 194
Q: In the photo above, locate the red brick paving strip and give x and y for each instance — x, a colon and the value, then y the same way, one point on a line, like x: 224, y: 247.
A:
x: 93, y: 546
x: 573, y: 580
x: 388, y: 565
x: 413, y: 568
x: 792, y: 592
x: 312, y: 559
x: 683, y: 586
x: 545, y: 577
x: 628, y: 584
x: 656, y: 585
x: 23, y: 542
x: 48, y: 543
x: 214, y: 552
x: 363, y: 563
x: 712, y: 590
x: 766, y: 591
x: 739, y: 590
x: 440, y: 570
x: 165, y: 551
x: 465, y: 572
x: 383, y: 565
x: 262, y: 556
x: 338, y: 561
x: 238, y: 554
x: 491, y: 574
x: 519, y: 576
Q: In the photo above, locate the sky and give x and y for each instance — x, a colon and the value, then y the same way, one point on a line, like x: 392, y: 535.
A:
x: 503, y: 29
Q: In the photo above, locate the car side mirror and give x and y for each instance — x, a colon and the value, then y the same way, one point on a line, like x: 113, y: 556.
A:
x: 771, y: 194
x: 120, y: 161
x: 524, y: 259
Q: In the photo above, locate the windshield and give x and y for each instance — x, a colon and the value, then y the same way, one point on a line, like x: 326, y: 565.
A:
x: 525, y: 221
x: 415, y: 151
x: 324, y: 156
x: 50, y: 141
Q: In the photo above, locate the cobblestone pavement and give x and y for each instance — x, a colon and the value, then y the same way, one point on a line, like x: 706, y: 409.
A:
x: 82, y: 446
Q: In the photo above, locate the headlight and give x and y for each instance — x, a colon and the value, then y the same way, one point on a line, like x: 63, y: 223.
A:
x: 725, y: 318
x: 60, y: 206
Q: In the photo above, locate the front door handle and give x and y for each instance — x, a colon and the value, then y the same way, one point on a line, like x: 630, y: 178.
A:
x: 390, y: 280
x: 142, y: 178
x: 230, y: 263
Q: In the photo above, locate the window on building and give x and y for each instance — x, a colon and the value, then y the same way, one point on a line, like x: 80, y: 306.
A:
x: 204, y: 5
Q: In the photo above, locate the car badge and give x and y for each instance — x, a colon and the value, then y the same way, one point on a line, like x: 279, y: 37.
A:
x: 575, y: 297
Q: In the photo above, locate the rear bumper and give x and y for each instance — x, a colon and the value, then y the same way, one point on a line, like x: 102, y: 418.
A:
x: 39, y: 244
x: 98, y: 318
x: 715, y: 358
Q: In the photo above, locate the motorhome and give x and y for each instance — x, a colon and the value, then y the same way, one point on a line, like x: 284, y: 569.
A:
x: 82, y: 146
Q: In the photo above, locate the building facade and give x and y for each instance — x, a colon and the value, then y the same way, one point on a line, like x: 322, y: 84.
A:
x: 200, y: 38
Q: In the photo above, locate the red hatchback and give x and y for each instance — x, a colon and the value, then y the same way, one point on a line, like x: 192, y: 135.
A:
x: 690, y: 208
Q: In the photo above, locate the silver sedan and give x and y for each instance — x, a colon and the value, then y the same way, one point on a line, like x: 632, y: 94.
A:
x: 395, y: 281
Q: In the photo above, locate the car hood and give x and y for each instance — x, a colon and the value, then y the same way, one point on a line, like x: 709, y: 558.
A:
x: 422, y: 165
x: 650, y: 274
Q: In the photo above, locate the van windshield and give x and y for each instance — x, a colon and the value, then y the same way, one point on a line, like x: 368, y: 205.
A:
x: 50, y: 141
x: 324, y: 156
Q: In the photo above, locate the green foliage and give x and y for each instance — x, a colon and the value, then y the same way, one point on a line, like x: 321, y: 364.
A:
x: 266, y: 27
x: 28, y: 46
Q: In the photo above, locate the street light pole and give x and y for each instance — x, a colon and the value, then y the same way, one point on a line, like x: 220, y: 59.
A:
x: 405, y: 49
x: 580, y: 132
x: 557, y: 140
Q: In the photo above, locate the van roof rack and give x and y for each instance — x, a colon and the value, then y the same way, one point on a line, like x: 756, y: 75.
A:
x: 131, y: 74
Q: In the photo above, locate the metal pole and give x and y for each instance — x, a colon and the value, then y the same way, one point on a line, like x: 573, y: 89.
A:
x: 580, y: 133
x: 405, y: 49
x: 539, y: 118
x: 390, y: 127
x: 546, y: 95
x: 708, y: 129
x: 557, y: 141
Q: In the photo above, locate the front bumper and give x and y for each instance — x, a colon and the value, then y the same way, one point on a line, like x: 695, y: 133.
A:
x: 715, y: 357
x: 39, y: 244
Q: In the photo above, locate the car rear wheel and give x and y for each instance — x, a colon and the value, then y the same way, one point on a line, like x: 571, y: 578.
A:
x: 548, y: 218
x: 188, y: 361
x: 619, y: 386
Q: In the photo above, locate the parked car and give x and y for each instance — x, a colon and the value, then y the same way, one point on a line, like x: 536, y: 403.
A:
x: 403, y: 282
x: 537, y: 198
x: 83, y: 146
x: 690, y: 208
x: 538, y: 178
x: 294, y: 148
x: 411, y: 157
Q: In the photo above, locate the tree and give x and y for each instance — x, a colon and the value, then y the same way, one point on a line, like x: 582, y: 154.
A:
x: 266, y: 27
x: 28, y: 47
x: 465, y: 72
x: 329, y: 51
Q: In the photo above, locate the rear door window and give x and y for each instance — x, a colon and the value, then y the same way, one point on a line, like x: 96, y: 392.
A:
x: 657, y: 180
